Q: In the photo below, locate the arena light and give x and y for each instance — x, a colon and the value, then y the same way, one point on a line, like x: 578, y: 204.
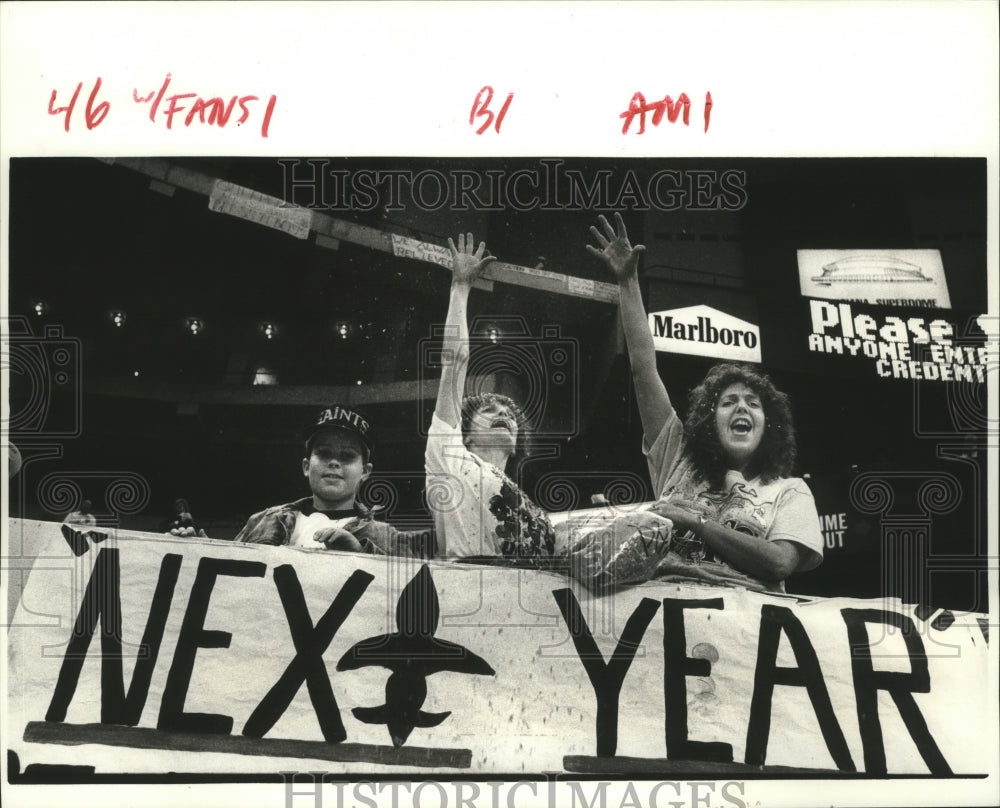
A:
x: 343, y: 329
x: 117, y: 318
x: 269, y: 330
x: 265, y: 376
x: 195, y: 326
x: 40, y: 307
x: 490, y: 331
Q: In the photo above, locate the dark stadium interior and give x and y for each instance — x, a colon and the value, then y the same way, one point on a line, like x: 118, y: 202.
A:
x: 89, y: 237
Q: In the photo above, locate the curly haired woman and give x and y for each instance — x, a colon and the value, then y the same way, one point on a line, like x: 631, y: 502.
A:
x: 722, y: 476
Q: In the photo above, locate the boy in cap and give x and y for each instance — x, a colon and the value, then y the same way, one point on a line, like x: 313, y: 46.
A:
x: 338, y: 459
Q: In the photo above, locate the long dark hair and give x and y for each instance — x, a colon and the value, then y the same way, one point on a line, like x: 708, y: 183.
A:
x: 472, y: 404
x: 775, y: 456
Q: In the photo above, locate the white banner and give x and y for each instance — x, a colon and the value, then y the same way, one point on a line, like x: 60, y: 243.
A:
x: 142, y: 654
x: 269, y: 211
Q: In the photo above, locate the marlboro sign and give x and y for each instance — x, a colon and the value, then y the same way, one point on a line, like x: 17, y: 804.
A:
x: 704, y: 331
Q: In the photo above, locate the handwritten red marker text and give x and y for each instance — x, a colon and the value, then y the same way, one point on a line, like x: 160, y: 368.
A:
x: 638, y: 107
x: 94, y: 113
x: 213, y: 110
x: 481, y: 109
x: 182, y: 108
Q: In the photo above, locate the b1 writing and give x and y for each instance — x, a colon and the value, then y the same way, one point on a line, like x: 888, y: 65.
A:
x: 94, y: 113
x: 481, y: 109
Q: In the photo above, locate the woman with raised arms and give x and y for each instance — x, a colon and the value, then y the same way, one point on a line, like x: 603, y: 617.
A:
x: 723, y: 475
x: 478, y: 510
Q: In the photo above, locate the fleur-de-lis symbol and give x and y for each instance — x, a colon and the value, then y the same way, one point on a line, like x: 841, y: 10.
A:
x: 77, y: 540
x: 412, y: 653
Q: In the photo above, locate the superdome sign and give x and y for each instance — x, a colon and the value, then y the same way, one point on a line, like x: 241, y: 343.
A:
x: 914, y: 278
x: 704, y: 331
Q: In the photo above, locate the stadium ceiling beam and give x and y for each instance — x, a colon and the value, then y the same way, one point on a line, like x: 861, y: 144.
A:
x: 272, y: 212
x: 299, y: 395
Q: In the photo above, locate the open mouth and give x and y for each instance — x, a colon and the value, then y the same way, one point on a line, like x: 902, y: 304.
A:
x: 741, y: 426
x: 502, y: 423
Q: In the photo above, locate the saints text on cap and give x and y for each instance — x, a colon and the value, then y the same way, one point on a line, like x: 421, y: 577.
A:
x: 340, y: 417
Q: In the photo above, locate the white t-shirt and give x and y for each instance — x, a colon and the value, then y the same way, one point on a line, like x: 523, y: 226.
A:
x: 477, y: 509
x: 783, y: 509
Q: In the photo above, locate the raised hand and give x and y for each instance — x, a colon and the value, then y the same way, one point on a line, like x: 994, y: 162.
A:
x: 466, y: 264
x: 616, y: 251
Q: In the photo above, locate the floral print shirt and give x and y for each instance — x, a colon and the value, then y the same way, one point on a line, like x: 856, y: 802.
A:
x: 478, y: 510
